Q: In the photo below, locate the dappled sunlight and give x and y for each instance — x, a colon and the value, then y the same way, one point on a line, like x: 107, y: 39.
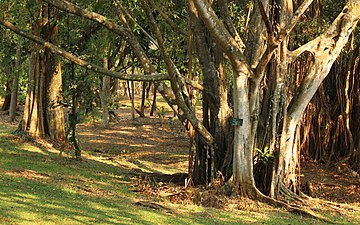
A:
x: 138, y: 145
x: 44, y: 188
x: 31, y: 148
x: 29, y: 174
x: 40, y: 187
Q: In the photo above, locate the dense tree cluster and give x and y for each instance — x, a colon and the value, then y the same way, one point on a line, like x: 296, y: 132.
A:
x: 277, y: 80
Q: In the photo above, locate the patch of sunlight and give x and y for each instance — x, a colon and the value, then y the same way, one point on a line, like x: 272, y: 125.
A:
x: 101, y: 159
x: 27, y: 197
x: 117, y: 132
x: 356, y: 216
x: 155, y: 167
x: 141, y: 145
x: 154, y: 217
x: 127, y: 164
x: 31, y: 148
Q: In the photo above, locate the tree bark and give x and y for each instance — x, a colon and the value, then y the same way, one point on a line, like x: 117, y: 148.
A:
x: 15, y: 85
x: 7, y: 99
x: 326, y: 48
x: 44, y: 114
x: 105, y: 95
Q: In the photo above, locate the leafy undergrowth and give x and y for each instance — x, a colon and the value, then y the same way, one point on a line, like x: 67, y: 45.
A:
x: 37, y: 186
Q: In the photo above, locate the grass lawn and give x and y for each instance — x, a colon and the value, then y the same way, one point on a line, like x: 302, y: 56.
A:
x: 37, y: 186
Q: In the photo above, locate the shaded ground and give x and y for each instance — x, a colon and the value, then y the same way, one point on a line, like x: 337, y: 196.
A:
x: 158, y: 146
x: 340, y: 185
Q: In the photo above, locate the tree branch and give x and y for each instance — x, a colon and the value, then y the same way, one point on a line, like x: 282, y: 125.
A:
x: 293, y: 21
x: 265, y: 18
x: 69, y: 56
x: 225, y: 16
x: 325, y: 48
x: 177, y: 81
x: 222, y: 36
x: 275, y: 40
x: 308, y: 47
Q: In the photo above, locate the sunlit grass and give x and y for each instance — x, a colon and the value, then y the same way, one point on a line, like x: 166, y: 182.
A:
x: 40, y: 187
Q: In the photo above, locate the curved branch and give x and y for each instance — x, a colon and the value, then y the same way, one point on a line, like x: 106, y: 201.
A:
x: 308, y: 47
x: 274, y: 39
x: 293, y: 21
x: 225, y: 16
x: 69, y: 56
x: 326, y: 48
x: 177, y: 81
x: 222, y: 36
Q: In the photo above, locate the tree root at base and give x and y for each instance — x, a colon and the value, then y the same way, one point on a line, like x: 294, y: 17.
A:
x: 292, y: 198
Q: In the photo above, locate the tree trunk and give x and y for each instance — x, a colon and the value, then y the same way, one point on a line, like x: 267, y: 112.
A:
x: 44, y: 114
x: 105, y: 96
x: 216, y: 109
x: 326, y: 49
x: 15, y: 86
x: 143, y: 99
x: 7, y: 99
x: 153, y: 105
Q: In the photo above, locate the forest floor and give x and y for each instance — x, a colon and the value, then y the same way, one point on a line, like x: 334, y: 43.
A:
x: 134, y: 173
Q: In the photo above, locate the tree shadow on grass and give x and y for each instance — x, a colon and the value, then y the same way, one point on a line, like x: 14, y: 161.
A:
x: 41, y: 186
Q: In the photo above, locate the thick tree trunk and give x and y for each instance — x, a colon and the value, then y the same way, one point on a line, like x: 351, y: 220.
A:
x: 326, y: 49
x: 54, y: 109
x: 216, y: 109
x: 279, y: 101
x: 43, y: 114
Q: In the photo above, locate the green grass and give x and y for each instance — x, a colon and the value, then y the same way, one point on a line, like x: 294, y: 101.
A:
x: 39, y: 187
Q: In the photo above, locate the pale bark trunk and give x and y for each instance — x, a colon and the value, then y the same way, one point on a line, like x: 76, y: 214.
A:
x: 326, y: 49
x: 55, y: 109
x: 36, y: 118
x: 279, y: 100
x: 243, y: 153
x: 15, y: 86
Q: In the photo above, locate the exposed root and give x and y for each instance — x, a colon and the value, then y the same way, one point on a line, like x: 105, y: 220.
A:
x: 324, y: 203
x: 293, y: 198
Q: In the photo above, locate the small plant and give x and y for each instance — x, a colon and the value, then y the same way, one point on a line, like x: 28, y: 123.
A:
x: 161, y: 112
x: 265, y: 155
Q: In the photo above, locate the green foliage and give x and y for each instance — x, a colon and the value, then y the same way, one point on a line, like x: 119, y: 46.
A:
x: 264, y: 156
x: 161, y: 112
x: 306, y: 30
